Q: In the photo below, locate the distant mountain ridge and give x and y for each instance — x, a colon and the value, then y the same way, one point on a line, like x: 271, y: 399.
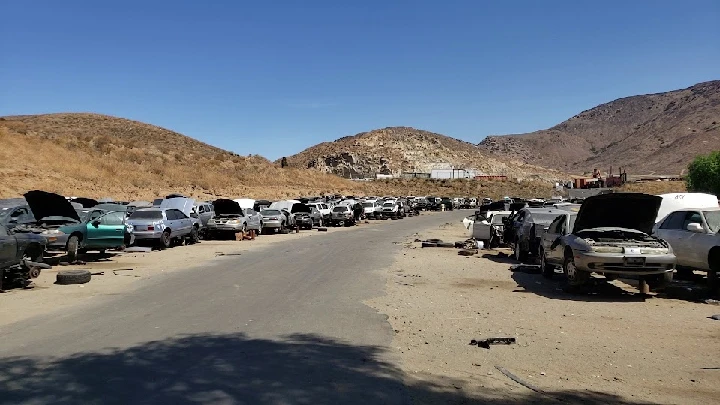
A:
x: 648, y: 134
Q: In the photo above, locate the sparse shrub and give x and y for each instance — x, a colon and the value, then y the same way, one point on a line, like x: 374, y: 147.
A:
x: 704, y: 174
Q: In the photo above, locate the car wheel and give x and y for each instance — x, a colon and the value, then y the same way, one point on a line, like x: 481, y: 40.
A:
x: 573, y: 276
x: 72, y: 248
x: 194, y: 236
x: 546, y: 269
x: 520, y: 255
x: 659, y: 281
x: 165, y: 240
x: 282, y: 226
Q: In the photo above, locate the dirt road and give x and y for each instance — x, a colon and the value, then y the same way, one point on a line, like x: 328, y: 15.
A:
x: 609, y: 347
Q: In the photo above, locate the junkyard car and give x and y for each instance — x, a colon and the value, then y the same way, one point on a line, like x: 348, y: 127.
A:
x: 273, y: 220
x: 370, y: 208
x: 324, y: 209
x: 693, y: 235
x: 529, y: 226
x: 229, y: 218
x: 343, y: 215
x: 20, y: 254
x: 611, y: 237
x: 73, y: 230
x: 490, y: 230
x: 318, y: 219
x: 15, y: 212
x: 163, y: 226
x: 391, y: 209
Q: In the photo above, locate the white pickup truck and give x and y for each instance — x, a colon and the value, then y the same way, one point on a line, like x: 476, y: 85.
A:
x: 693, y: 235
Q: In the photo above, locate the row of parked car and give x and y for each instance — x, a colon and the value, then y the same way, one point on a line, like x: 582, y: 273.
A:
x: 43, y: 221
x: 628, y: 235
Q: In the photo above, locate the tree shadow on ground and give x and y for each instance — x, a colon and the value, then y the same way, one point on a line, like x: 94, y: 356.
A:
x: 233, y: 369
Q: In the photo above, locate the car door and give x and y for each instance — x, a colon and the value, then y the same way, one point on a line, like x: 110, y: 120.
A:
x: 693, y: 242
x: 671, y: 230
x: 481, y: 228
x: 551, y: 240
x: 253, y: 219
x: 8, y: 248
x: 107, y: 231
x: 184, y: 221
x: 172, y: 221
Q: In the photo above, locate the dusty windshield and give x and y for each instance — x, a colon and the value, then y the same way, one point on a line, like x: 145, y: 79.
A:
x: 544, y: 218
x: 713, y: 220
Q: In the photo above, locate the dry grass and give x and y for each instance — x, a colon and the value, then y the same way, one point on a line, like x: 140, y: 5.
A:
x: 655, y: 187
x: 98, y: 156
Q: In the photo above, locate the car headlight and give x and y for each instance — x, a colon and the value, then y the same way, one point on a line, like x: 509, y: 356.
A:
x: 53, y: 232
x: 233, y: 221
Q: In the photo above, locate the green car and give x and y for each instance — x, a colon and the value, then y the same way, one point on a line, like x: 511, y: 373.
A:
x: 76, y: 230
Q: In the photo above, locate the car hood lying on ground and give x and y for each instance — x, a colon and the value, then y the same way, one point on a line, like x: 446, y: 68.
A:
x: 44, y: 205
x: 226, y: 206
x: 618, y: 210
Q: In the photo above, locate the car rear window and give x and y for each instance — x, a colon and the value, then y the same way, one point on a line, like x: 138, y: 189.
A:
x: 368, y: 205
x: 270, y: 212
x: 340, y: 209
x: 142, y: 214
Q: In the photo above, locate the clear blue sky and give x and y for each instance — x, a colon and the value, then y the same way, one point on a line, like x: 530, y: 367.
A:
x: 274, y: 77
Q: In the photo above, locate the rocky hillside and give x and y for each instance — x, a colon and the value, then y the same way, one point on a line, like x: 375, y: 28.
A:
x: 402, y: 149
x: 649, y: 134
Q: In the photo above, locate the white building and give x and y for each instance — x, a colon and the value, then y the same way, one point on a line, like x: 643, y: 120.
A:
x: 453, y: 174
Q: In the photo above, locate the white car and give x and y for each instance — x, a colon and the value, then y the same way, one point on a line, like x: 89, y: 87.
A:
x: 325, y: 210
x: 490, y: 228
x: 370, y: 207
x: 693, y: 235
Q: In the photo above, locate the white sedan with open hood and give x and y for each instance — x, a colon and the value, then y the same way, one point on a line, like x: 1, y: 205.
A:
x: 611, y: 235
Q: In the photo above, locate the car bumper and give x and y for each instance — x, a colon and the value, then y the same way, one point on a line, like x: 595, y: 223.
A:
x: 58, y: 242
x: 617, y: 264
x: 224, y: 228
x: 145, y: 235
x: 271, y: 224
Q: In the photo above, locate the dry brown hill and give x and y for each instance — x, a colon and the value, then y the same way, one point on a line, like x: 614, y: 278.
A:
x: 396, y: 150
x: 648, y: 134
x: 97, y: 155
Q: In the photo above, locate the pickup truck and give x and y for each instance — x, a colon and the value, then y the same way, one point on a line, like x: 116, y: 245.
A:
x: 693, y: 235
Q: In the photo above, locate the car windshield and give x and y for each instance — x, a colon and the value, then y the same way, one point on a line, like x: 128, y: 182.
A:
x: 368, y: 205
x: 340, y: 209
x: 4, y: 212
x: 146, y: 214
x: 83, y: 214
x: 713, y: 220
x: 498, y: 218
x: 544, y: 218
x: 269, y: 212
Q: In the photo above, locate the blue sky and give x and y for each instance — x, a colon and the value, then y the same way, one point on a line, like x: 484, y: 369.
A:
x: 274, y: 77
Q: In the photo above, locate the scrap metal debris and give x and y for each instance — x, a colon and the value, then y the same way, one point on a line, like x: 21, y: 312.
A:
x: 485, y: 343
x: 518, y: 380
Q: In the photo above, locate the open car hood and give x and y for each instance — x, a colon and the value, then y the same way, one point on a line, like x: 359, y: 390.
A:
x: 181, y: 203
x: 245, y: 203
x: 225, y: 206
x: 618, y: 210
x: 44, y: 205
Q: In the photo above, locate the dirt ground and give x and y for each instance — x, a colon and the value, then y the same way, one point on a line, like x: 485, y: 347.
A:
x: 610, y: 346
x: 124, y: 271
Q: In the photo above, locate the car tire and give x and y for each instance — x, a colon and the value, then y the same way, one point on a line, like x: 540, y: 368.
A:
x: 519, y: 254
x: 73, y: 245
x: 165, y: 240
x: 194, y: 236
x: 574, y: 277
x: 660, y: 281
x: 67, y: 277
x: 547, y: 270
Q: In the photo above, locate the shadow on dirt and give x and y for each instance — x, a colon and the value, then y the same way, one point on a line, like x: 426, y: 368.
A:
x: 233, y: 369
x: 500, y: 257
x: 529, y: 278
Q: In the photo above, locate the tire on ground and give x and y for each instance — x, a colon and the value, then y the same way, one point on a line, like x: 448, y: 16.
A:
x: 66, y: 277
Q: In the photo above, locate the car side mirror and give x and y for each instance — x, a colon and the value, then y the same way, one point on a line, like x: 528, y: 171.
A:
x: 695, y: 227
x: 96, y: 223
